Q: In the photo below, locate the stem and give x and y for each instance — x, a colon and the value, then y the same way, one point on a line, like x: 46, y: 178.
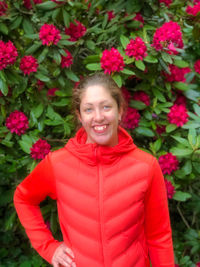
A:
x: 182, y: 216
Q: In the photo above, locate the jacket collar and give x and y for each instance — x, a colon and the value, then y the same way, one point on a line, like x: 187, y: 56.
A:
x: 94, y: 153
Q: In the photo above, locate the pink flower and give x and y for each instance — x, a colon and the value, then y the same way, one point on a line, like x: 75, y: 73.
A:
x: 3, y: 7
x: 112, y: 61
x: 28, y: 5
x: 17, y: 122
x: 8, y: 54
x: 111, y: 15
x: 168, y: 163
x: 76, y: 30
x: 51, y: 92
x: 139, y: 18
x: 66, y: 60
x: 170, y: 189
x: 178, y: 115
x: 49, y: 34
x: 180, y: 100
x: 193, y: 10
x: 136, y: 48
x: 197, y: 66
x: 131, y: 119
x: 142, y: 96
x: 166, y: 2
x: 40, y: 149
x: 168, y: 37
x: 198, y: 264
x: 28, y: 64
x: 177, y: 74
x: 126, y: 94
x: 40, y: 85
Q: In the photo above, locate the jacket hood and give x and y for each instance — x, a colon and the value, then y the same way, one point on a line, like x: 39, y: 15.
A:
x: 94, y: 153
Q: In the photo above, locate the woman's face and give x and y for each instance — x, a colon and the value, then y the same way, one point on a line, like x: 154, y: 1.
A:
x: 99, y: 115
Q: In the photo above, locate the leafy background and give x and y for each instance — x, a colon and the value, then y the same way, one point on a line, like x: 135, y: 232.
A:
x: 51, y: 119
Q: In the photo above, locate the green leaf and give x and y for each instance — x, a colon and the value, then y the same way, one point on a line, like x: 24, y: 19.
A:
x: 181, y: 140
x: 90, y: 44
x: 43, y: 55
x: 66, y: 18
x: 144, y: 131
x: 42, y: 77
x: 33, y: 48
x: 166, y: 57
x: 62, y: 103
x: 158, y: 94
x: 93, y: 66
x: 3, y: 28
x: 57, y: 57
x: 181, y: 86
x: 15, y: 24
x: 27, y: 26
x: 65, y: 42
x: 140, y: 65
x: 54, y: 116
x: 38, y: 110
x: 196, y: 109
x: 187, y: 168
x: 34, y: 36
x: 181, y: 196
x: 46, y: 5
x: 124, y: 41
x: 118, y: 79
x: 71, y: 75
x: 181, y: 152
x: 137, y: 104
x: 150, y: 59
x: 53, y: 123
x: 181, y: 63
x: 157, y: 145
x: 3, y: 84
x: 170, y: 128
x: 128, y: 72
x: 25, y: 264
x: 25, y: 146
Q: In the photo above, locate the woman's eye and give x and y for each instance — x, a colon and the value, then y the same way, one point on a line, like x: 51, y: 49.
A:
x: 106, y: 107
x: 88, y: 110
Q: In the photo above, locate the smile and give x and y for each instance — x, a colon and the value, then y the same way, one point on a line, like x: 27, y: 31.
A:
x: 100, y: 128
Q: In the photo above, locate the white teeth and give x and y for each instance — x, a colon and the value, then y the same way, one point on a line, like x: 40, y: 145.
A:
x: 100, y: 128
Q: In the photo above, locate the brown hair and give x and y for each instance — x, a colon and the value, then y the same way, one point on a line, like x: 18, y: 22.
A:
x: 102, y: 79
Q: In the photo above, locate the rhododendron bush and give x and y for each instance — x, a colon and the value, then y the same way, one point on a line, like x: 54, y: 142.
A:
x: 151, y: 49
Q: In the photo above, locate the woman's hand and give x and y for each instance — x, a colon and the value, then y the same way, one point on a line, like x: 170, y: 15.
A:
x: 63, y: 256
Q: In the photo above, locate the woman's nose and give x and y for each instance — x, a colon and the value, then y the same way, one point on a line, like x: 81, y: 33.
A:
x: 99, y: 115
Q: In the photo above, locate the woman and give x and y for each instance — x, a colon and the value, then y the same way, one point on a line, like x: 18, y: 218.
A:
x: 111, y: 196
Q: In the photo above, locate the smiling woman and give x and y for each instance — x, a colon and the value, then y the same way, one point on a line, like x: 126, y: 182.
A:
x: 111, y: 196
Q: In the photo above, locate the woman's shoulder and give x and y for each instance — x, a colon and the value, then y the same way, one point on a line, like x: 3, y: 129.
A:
x: 143, y: 155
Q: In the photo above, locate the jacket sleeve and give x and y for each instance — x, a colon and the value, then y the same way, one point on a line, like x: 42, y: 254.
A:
x: 157, y: 222
x: 27, y: 197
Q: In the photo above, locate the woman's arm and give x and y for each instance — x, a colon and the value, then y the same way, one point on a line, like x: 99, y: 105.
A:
x: 157, y: 221
x: 28, y: 195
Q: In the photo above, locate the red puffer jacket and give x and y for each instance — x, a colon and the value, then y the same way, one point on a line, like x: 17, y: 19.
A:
x: 112, y: 204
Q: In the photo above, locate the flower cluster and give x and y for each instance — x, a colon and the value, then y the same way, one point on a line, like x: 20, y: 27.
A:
x: 66, y: 60
x: 170, y: 189
x: 131, y: 119
x: 178, y: 115
x: 8, y: 54
x: 49, y: 34
x: 17, y: 122
x: 177, y: 74
x: 193, y: 10
x: 142, y: 96
x: 166, y: 2
x: 40, y: 149
x: 112, y: 61
x: 168, y: 37
x: 28, y: 64
x: 51, y: 92
x: 139, y: 18
x: 180, y: 100
x: 168, y: 163
x: 126, y: 94
x: 3, y: 8
x: 197, y: 66
x: 111, y: 15
x: 28, y: 5
x: 76, y: 30
x: 136, y: 48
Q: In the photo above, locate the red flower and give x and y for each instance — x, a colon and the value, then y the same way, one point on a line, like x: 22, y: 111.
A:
x: 111, y: 15
x: 51, y: 92
x: 75, y: 31
x: 8, y: 54
x: 49, y: 34
x: 142, y: 96
x: 66, y: 60
x: 40, y: 85
x: 176, y: 265
x: 178, y: 115
x: 131, y: 119
x: 139, y: 18
x: 170, y: 189
x: 40, y: 149
x: 177, y: 74
x: 168, y: 37
x: 180, y: 100
x: 28, y: 64
x: 160, y: 129
x: 27, y: 3
x: 168, y: 163
x: 197, y: 66
x: 3, y: 8
x: 193, y: 10
x: 198, y: 264
x: 112, y: 61
x: 126, y: 94
x: 136, y: 48
x: 17, y: 122
x: 166, y: 2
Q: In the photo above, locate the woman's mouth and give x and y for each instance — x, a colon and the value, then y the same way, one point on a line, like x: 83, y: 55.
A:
x: 100, y: 128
